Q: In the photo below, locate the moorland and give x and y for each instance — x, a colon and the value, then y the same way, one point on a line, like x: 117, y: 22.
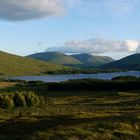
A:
x: 40, y: 111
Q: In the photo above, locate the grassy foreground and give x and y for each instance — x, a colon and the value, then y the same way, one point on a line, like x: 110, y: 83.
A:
x: 73, y: 115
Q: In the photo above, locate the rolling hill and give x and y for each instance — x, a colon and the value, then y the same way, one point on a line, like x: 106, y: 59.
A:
x: 92, y: 60
x: 55, y: 57
x: 17, y: 65
x: 131, y: 62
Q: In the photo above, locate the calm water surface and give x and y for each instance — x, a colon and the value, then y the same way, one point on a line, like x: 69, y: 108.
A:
x: 60, y: 78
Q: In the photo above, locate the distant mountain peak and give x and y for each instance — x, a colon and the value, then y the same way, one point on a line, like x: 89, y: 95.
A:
x: 55, y: 57
x: 76, y: 60
x: 93, y: 60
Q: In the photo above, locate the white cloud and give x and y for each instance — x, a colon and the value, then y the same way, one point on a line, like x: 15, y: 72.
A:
x: 17, y: 10
x: 132, y: 45
x: 98, y: 46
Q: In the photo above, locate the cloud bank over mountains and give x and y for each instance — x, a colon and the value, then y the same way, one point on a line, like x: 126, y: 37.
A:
x: 98, y: 46
x: 17, y: 10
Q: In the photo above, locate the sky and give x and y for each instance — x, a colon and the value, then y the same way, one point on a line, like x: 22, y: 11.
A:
x: 100, y: 27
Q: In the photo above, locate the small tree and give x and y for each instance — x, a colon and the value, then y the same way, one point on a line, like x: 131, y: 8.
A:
x: 36, y: 100
x: 30, y: 98
x: 33, y: 100
x: 2, y: 101
x: 8, y: 102
x: 42, y: 100
x: 19, y: 100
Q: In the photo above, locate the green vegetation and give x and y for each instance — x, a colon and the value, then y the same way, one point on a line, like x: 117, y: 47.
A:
x: 16, y: 65
x: 118, y: 83
x: 126, y: 78
x: 69, y: 115
x: 55, y: 57
x: 79, y: 60
x: 131, y: 62
x: 89, y: 60
x: 21, y: 99
x: 83, y: 71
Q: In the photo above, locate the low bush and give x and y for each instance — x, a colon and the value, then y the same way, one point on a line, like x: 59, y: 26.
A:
x: 21, y: 99
x: 32, y: 99
x: 6, y: 102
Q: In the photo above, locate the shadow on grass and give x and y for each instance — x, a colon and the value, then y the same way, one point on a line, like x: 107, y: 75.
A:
x: 43, y: 90
x: 21, y: 127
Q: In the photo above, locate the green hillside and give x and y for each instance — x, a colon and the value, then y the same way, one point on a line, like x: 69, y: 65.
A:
x: 78, y: 60
x: 55, y: 57
x: 92, y: 60
x: 17, y: 65
x: 131, y: 62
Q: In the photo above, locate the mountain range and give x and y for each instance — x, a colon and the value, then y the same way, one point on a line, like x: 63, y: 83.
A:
x: 92, y: 60
x: 86, y: 60
x: 78, y: 60
x: 55, y: 57
x: 50, y: 62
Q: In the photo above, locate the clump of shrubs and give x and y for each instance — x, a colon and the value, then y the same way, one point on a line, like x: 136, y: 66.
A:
x: 21, y: 99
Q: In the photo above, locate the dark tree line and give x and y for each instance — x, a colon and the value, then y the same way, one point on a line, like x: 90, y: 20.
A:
x: 120, y: 83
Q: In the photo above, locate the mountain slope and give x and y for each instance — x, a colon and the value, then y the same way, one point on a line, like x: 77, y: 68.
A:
x: 131, y: 62
x: 92, y: 60
x: 17, y: 65
x: 78, y: 60
x: 55, y: 57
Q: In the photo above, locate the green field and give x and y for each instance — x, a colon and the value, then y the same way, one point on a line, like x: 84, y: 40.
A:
x: 73, y: 115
